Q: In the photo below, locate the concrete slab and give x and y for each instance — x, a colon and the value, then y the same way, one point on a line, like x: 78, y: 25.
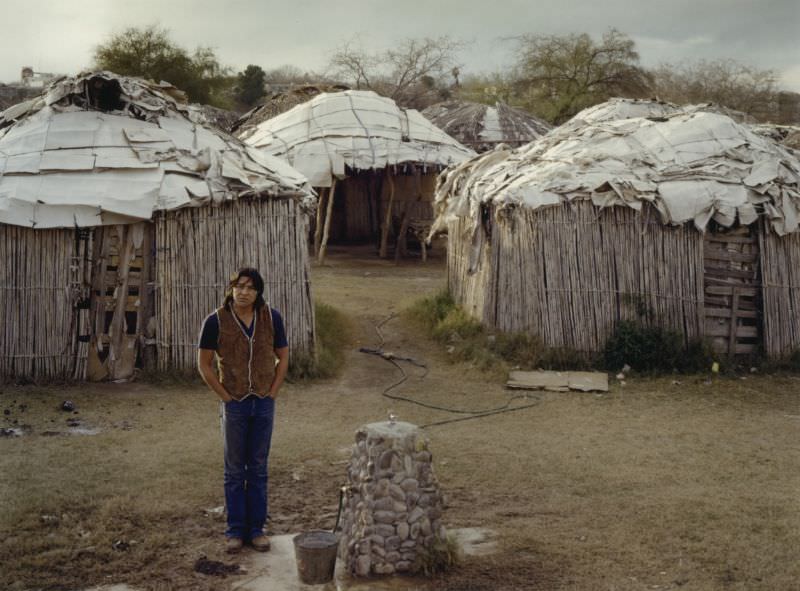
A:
x: 557, y: 381
x: 277, y: 569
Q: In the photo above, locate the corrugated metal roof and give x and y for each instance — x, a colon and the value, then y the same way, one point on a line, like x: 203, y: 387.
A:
x: 103, y: 149
x: 691, y: 164
x: 354, y: 128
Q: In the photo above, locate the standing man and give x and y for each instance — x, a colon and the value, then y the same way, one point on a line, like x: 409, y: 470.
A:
x: 247, y: 337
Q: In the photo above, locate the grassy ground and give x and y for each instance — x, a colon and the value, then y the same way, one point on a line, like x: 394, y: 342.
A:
x: 655, y: 485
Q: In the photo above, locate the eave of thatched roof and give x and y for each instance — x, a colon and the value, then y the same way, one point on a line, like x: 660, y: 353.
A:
x: 102, y: 149
x: 356, y: 129
x: 280, y: 102
x: 481, y: 126
x: 691, y: 164
x: 788, y: 135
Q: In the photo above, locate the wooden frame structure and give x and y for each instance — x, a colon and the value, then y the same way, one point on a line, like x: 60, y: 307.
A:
x: 376, y: 206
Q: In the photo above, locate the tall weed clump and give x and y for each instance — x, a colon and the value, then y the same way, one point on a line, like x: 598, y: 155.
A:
x: 468, y: 340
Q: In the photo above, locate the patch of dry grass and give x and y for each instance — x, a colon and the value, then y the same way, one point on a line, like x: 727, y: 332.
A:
x: 80, y: 508
x: 688, y: 486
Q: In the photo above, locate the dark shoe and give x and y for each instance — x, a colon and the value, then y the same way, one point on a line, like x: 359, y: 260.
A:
x: 233, y: 545
x: 260, y: 543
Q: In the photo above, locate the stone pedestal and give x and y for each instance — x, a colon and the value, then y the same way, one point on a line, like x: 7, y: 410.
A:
x: 393, y: 510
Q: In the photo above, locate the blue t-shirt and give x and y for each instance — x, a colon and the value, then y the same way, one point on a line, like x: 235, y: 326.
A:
x: 209, y: 334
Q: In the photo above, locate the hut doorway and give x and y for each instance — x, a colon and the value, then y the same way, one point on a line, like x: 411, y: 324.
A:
x: 732, y: 289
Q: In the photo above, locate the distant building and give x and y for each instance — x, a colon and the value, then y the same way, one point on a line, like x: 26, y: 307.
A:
x: 31, y: 79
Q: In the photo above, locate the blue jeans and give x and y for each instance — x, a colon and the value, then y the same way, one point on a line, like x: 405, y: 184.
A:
x: 247, y: 431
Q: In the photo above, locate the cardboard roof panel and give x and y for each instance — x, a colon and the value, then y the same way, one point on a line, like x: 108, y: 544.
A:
x: 693, y: 164
x: 72, y: 163
x: 363, y: 130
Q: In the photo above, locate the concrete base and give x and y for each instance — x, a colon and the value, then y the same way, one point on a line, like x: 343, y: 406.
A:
x: 277, y: 569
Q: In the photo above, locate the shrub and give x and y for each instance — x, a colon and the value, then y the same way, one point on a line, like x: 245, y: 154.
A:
x: 442, y: 555
x: 654, y: 349
x: 456, y: 326
x: 333, y: 337
x: 431, y: 310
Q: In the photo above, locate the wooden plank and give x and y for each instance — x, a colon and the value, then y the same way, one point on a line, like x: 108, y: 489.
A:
x: 745, y: 348
x: 726, y: 239
x: 726, y: 313
x: 734, y: 329
x: 718, y: 302
x: 726, y: 290
x: 726, y: 330
x: 727, y: 272
x: 728, y: 255
x: 719, y: 280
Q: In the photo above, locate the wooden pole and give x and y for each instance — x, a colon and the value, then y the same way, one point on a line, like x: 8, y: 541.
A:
x: 117, y: 330
x: 324, y: 245
x: 400, y: 248
x: 387, y: 219
x: 318, y: 225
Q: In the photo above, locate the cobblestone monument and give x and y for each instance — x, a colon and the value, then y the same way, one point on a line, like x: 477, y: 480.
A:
x: 393, y: 511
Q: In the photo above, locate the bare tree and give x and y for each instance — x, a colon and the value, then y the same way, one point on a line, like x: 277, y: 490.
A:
x: 354, y: 64
x: 725, y: 82
x: 414, y: 72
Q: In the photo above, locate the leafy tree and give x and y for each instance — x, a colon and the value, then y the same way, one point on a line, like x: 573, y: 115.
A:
x: 725, y: 82
x: 559, y: 75
x: 415, y: 72
x: 149, y: 53
x: 250, y: 85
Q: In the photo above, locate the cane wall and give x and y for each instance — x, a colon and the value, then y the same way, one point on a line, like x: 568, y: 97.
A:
x: 570, y: 273
x: 197, y: 251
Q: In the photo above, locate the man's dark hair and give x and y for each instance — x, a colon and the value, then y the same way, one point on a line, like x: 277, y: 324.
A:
x: 258, y: 283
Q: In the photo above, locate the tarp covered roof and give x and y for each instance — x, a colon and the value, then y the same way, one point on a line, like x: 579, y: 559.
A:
x: 692, y: 165
x: 103, y: 149
x: 355, y: 128
x: 482, y: 126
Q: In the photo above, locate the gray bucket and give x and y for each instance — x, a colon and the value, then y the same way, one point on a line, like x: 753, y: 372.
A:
x: 315, y: 552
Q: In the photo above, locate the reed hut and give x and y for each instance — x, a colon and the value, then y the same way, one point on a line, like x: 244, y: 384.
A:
x: 374, y: 163
x: 121, y: 219
x: 683, y: 219
x: 483, y: 127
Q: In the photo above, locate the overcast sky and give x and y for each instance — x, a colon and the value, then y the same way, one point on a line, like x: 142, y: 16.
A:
x: 59, y: 35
